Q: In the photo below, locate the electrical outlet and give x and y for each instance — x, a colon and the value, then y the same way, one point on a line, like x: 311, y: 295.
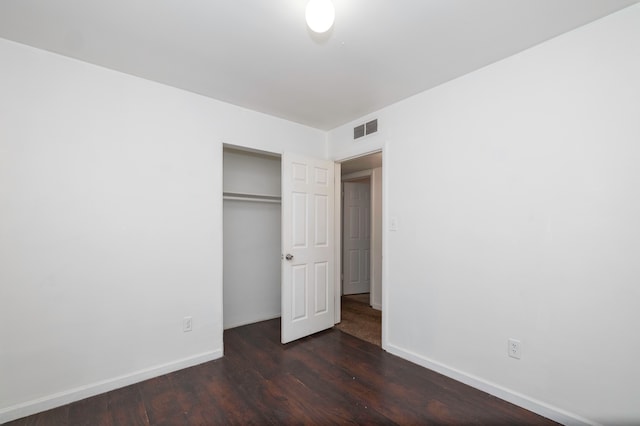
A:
x: 514, y: 348
x: 187, y: 324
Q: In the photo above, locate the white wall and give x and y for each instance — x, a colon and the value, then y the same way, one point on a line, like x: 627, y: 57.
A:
x: 110, y: 225
x: 252, y: 239
x: 248, y: 172
x: 516, y: 193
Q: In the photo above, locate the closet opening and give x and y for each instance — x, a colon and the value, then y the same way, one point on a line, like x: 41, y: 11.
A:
x: 251, y: 236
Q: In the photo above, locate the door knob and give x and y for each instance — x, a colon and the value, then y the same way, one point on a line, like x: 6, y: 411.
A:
x: 289, y: 256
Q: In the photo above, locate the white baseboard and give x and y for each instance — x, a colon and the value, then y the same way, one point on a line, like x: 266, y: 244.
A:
x: 71, y: 395
x: 538, y: 407
x: 377, y: 306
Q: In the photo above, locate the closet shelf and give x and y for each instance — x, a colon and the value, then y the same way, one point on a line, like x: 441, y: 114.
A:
x: 236, y: 196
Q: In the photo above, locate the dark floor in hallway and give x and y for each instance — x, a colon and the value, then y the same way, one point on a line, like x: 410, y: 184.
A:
x: 359, y: 319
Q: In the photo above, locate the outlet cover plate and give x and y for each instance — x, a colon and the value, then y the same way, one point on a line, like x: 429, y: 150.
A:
x: 514, y: 348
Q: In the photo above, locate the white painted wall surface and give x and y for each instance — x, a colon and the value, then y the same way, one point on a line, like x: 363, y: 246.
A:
x: 516, y: 193
x: 252, y: 248
x: 251, y: 173
x: 252, y: 239
x: 110, y: 225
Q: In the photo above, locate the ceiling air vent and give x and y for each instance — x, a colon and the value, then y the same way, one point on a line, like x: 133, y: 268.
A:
x: 365, y: 129
x: 371, y: 127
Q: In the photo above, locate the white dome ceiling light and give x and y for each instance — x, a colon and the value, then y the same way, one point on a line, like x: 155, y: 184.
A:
x: 320, y: 15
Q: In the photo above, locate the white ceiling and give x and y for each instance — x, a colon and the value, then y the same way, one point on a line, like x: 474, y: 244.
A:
x: 358, y: 164
x: 259, y: 54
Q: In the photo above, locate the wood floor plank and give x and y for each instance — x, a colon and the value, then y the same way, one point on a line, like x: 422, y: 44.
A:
x: 92, y: 411
x: 160, y: 401
x: 194, y: 399
x: 226, y: 395
x: 126, y: 407
x: 327, y: 378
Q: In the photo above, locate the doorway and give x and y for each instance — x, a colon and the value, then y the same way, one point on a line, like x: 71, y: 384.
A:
x: 361, y: 246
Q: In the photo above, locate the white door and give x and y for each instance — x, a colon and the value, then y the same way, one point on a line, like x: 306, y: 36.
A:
x: 356, y: 238
x: 308, y: 246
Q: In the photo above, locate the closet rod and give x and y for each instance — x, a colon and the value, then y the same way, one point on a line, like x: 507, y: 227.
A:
x: 250, y: 197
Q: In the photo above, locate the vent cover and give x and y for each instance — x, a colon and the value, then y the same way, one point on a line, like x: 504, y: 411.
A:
x: 365, y: 129
x: 371, y: 127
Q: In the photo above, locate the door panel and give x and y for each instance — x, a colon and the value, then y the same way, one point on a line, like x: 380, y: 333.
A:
x: 357, y: 237
x: 322, y: 287
x: 299, y: 290
x: 307, y: 235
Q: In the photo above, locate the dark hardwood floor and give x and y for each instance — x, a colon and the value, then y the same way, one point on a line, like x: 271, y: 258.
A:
x: 327, y: 378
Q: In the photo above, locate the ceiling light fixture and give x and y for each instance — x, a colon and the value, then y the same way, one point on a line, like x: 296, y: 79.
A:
x: 320, y: 15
